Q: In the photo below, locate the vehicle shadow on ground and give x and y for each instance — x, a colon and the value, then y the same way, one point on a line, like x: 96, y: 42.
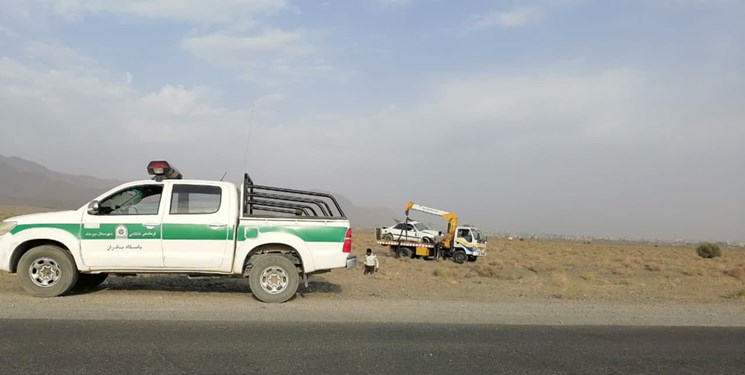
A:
x: 178, y: 283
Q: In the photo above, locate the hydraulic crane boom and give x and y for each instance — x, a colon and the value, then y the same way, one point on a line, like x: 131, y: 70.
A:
x: 449, y: 216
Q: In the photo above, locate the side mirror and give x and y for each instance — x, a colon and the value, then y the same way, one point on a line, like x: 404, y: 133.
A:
x: 93, y: 207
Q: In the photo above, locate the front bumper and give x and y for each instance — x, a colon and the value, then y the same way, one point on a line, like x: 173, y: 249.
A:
x: 7, y: 245
x: 478, y: 252
x: 351, y: 262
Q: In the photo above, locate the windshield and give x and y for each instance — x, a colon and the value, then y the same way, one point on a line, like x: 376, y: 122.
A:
x: 476, y: 235
x: 420, y: 226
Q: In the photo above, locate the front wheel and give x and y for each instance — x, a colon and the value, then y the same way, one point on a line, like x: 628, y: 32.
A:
x: 426, y: 240
x: 47, y: 271
x: 460, y: 256
x: 274, y: 278
x: 388, y: 237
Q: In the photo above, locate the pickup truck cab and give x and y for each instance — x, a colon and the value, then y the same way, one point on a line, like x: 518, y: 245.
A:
x: 273, y: 236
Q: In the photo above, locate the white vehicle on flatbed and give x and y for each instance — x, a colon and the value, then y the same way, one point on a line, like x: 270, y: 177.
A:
x: 409, y: 231
x: 173, y: 225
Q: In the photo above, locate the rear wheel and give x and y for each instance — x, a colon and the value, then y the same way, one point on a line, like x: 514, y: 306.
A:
x: 405, y: 252
x: 47, y: 271
x: 388, y: 237
x: 274, y: 278
x: 426, y: 240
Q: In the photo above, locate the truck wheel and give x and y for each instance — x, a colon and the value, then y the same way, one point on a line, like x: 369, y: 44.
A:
x: 47, y: 271
x: 87, y: 281
x: 459, y: 256
x: 405, y: 252
x: 273, y: 279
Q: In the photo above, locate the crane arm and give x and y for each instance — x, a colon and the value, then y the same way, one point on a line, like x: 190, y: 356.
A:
x: 449, y: 216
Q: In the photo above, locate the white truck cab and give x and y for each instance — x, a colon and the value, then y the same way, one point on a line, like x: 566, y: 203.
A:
x: 273, y: 236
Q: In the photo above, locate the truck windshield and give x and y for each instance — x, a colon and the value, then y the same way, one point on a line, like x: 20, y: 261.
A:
x: 477, y: 235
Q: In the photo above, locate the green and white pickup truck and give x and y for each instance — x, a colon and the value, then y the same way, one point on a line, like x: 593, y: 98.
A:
x: 274, y: 236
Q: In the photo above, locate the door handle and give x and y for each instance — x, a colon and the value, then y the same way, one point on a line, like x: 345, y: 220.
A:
x: 150, y: 225
x: 217, y: 225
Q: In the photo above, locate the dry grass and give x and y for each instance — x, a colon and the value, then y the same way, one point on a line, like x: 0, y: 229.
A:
x: 556, y: 269
x: 542, y: 269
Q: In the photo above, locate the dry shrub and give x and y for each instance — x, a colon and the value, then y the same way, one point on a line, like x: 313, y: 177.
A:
x: 588, y: 276
x: 484, y: 271
x: 737, y: 272
x: 693, y: 272
x: 545, y: 267
x: 738, y: 295
x: 622, y: 272
x: 439, y: 272
x: 558, y: 280
x: 509, y: 275
x: 652, y: 267
x: 708, y: 250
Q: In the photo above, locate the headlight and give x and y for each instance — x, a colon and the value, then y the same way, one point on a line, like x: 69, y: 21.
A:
x: 6, y: 226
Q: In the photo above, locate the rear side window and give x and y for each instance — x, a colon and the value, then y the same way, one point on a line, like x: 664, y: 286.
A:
x: 195, y: 199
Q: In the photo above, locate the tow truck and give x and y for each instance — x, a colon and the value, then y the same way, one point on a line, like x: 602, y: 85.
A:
x: 461, y: 243
x: 273, y: 236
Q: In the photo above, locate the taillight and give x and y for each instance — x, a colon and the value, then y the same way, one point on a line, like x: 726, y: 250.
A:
x: 348, y: 241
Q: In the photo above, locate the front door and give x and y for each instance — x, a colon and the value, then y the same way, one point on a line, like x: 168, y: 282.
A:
x: 410, y: 233
x: 125, y: 232
x: 197, y: 226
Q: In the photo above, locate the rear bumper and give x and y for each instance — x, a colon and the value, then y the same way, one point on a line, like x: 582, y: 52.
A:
x: 351, y: 262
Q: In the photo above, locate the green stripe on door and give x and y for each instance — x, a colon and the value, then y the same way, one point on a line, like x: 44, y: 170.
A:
x: 308, y: 234
x: 193, y: 232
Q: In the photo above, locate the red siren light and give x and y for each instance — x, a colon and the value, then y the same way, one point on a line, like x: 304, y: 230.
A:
x: 161, y: 170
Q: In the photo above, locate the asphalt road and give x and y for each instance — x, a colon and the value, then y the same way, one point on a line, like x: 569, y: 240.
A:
x: 176, y: 347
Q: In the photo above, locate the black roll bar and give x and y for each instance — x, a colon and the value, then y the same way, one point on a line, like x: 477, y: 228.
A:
x: 278, y: 197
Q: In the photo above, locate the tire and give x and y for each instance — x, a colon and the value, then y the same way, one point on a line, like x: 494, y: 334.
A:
x: 405, y: 252
x: 460, y: 256
x: 388, y: 237
x: 47, y: 271
x: 88, y: 281
x: 273, y: 279
x: 427, y: 240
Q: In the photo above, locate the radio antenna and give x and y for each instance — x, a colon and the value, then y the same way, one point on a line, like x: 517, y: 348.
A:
x: 223, y: 176
x: 248, y: 139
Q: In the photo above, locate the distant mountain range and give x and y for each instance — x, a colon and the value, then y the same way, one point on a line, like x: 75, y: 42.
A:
x: 26, y: 183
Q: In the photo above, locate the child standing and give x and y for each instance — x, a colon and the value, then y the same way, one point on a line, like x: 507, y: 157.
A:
x: 371, y: 262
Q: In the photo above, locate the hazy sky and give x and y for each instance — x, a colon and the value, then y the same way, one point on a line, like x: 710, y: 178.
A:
x: 617, y: 118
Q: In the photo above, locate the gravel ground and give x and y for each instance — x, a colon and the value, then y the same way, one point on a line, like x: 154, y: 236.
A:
x: 175, y: 297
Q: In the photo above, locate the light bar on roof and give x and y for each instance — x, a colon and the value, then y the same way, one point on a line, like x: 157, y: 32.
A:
x: 161, y: 170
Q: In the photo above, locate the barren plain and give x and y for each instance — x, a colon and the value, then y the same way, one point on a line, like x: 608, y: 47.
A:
x: 519, y: 281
